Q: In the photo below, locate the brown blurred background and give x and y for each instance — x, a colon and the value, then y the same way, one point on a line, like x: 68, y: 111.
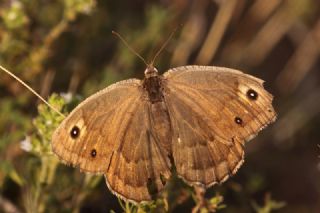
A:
x: 67, y: 46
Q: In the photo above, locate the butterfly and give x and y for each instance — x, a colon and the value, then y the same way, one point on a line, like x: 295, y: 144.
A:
x: 195, y: 119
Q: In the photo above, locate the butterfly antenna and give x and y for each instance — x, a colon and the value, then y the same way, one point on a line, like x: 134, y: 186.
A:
x: 31, y: 90
x: 129, y: 47
x: 163, y: 46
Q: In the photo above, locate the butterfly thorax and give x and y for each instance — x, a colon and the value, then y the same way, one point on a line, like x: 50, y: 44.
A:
x: 152, y: 84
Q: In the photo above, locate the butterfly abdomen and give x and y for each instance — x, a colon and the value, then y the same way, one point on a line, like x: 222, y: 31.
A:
x: 160, y: 121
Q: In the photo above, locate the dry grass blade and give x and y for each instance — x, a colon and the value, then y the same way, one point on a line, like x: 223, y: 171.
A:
x: 301, y: 62
x: 257, y: 14
x: 217, y: 29
x: 272, y: 32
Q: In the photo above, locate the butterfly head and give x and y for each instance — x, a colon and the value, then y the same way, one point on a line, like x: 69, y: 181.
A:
x: 150, y: 71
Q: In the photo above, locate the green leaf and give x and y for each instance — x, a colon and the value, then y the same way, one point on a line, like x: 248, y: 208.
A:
x: 15, y: 17
x: 7, y: 169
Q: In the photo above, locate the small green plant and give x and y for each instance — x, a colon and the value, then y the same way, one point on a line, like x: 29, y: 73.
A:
x: 269, y: 205
x: 46, y: 176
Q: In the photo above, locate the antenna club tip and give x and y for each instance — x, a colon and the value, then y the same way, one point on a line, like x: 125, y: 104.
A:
x: 115, y: 33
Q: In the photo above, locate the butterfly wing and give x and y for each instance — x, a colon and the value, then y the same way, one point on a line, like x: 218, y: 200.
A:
x: 213, y: 112
x: 87, y: 137
x: 140, y: 165
x: 115, y: 138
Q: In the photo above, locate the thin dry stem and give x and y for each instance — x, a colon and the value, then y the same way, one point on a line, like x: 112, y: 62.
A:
x: 31, y: 90
x: 218, y: 27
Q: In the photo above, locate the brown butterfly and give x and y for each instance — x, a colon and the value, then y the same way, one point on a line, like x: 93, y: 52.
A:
x: 194, y: 118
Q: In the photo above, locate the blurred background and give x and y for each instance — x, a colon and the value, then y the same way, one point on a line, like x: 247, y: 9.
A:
x: 66, y: 47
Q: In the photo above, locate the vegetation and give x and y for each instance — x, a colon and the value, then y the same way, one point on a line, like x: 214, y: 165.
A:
x: 65, y: 50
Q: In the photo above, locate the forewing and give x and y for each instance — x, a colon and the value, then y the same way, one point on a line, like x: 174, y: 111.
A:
x: 98, y: 120
x: 139, y: 165
x: 213, y: 112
